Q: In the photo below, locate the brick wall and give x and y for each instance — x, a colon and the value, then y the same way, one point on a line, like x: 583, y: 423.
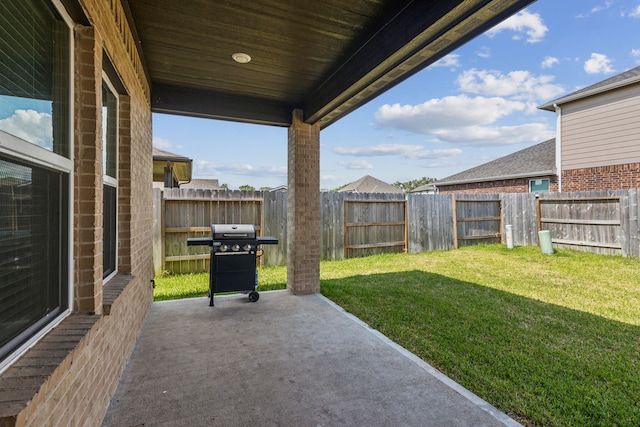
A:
x: 612, y: 177
x: 520, y: 185
x: 69, y: 376
x: 303, y: 207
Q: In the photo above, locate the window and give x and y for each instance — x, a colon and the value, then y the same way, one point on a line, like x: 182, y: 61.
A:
x: 35, y: 170
x: 110, y: 171
x: 539, y: 186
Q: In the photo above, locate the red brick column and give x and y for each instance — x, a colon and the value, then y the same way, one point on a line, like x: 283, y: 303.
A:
x: 87, y: 251
x: 303, y: 207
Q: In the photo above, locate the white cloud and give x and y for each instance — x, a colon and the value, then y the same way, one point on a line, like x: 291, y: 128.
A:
x: 519, y: 85
x: 438, y: 154
x: 30, y: 125
x: 635, y: 13
x: 523, y: 22
x: 206, y: 169
x: 598, y: 64
x: 451, y: 60
x: 549, y: 61
x: 450, y: 112
x: 607, y: 4
x: 635, y: 53
x: 404, y: 150
x: 484, y: 52
x: 456, y: 120
x: 497, y: 135
x: 162, y: 143
x: 356, y: 164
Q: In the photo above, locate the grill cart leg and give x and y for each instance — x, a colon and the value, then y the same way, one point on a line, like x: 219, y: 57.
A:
x: 210, y: 297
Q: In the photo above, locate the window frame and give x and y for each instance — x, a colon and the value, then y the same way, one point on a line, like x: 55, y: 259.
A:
x: 14, y: 147
x: 531, y: 181
x: 107, y: 179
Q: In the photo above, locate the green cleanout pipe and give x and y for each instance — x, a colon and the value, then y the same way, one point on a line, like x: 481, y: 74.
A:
x: 545, y: 241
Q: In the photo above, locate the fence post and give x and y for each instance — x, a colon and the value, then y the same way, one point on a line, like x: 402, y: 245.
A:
x: 455, y: 220
x: 538, y: 219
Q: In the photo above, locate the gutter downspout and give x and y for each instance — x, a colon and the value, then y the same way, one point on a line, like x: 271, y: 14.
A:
x: 558, y: 145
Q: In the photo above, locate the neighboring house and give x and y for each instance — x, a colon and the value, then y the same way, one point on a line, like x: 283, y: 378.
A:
x: 429, y: 188
x: 202, y: 184
x: 279, y: 188
x: 529, y: 170
x: 171, y: 170
x: 369, y: 184
x: 598, y: 133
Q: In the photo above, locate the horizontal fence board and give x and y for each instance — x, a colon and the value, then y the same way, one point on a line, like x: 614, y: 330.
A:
x: 584, y: 243
x: 480, y: 236
x: 489, y: 218
x: 376, y: 245
x: 582, y: 221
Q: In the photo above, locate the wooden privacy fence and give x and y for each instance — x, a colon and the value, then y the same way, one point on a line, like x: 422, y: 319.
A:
x: 374, y: 226
x: 476, y: 221
x: 593, y: 222
x: 188, y: 214
x: 355, y: 224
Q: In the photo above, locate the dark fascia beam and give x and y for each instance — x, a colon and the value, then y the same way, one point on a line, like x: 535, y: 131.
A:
x: 398, y: 49
x: 184, y: 101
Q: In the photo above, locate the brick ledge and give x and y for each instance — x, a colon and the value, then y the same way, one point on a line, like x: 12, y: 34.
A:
x: 112, y: 290
x: 49, y: 359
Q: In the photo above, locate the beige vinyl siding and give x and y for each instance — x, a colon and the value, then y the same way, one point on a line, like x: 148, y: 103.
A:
x: 602, y: 130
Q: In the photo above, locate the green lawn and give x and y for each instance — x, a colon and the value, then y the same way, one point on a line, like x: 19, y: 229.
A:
x: 548, y: 339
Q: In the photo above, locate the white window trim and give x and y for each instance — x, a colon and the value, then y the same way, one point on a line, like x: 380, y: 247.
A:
x: 31, y: 153
x: 531, y: 181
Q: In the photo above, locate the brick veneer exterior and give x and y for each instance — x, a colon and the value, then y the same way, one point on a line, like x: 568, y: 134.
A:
x: 612, y: 177
x: 519, y: 185
x: 303, y: 207
x: 69, y: 376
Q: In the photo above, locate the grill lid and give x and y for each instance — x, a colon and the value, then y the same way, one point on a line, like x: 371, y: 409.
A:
x: 233, y: 231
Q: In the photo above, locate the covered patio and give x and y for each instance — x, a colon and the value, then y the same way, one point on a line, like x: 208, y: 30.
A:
x: 286, y: 360
x: 301, y: 65
x: 97, y: 70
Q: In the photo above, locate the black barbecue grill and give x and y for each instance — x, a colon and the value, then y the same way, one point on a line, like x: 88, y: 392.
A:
x: 234, y: 250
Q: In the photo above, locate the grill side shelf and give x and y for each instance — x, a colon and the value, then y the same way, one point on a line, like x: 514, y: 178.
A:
x: 266, y: 240
x: 199, y: 241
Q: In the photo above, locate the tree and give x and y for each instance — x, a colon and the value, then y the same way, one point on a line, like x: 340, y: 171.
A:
x: 265, y: 188
x: 247, y: 188
x: 224, y: 186
x: 415, y: 183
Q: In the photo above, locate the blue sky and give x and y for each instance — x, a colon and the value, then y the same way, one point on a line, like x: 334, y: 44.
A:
x: 475, y: 105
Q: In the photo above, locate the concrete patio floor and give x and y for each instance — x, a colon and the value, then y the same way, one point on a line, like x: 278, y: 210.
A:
x: 283, y: 361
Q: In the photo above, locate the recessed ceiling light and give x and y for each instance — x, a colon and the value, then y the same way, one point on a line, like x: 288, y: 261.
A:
x: 241, y: 58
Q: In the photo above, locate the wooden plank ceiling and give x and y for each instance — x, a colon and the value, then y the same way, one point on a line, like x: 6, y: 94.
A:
x: 327, y: 57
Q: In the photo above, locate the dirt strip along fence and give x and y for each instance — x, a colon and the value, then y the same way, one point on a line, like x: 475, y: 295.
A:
x: 355, y: 224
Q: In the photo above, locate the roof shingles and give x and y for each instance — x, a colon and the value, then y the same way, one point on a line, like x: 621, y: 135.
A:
x: 537, y: 160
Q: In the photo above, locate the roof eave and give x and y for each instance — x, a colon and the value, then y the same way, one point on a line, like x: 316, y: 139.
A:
x: 551, y: 105
x: 497, y: 178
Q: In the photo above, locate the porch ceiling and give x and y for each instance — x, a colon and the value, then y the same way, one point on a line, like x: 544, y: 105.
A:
x: 326, y: 57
